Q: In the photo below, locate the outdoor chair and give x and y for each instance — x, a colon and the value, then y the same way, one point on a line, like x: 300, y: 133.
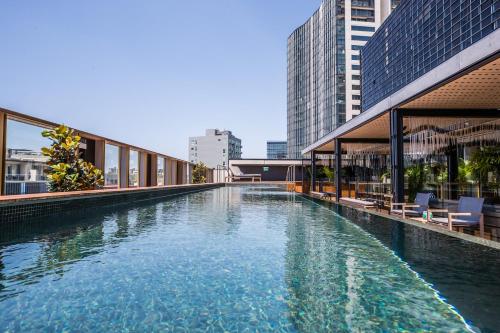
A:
x: 416, y: 209
x: 469, y: 213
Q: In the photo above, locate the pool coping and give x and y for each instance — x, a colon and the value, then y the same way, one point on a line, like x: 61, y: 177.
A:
x: 465, y: 237
x: 23, y: 199
x: 25, y: 208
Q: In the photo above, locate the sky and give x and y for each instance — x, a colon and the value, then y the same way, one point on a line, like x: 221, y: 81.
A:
x: 151, y: 73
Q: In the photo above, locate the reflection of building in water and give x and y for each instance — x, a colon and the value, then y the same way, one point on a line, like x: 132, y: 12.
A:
x: 25, y: 171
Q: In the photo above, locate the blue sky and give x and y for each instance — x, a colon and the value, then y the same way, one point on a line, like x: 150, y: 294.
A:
x: 152, y: 72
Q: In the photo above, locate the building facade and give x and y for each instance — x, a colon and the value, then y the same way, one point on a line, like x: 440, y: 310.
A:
x: 431, y: 110
x: 324, y: 78
x: 276, y: 150
x: 418, y: 38
x: 215, y: 148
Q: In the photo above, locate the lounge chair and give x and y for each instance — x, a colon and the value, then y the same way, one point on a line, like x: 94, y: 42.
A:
x: 416, y: 209
x: 322, y: 195
x: 358, y: 203
x: 469, y: 213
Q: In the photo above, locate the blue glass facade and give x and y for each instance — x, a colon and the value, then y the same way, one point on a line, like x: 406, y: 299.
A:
x: 417, y: 37
x: 276, y: 150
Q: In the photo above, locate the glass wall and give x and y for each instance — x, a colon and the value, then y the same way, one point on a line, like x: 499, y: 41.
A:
x: 133, y: 168
x: 452, y: 157
x: 111, y: 165
x: 366, y: 172
x: 160, y: 176
x: 25, y: 166
x: 325, y: 173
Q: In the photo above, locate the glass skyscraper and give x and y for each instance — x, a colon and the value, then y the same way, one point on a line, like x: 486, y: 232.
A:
x: 276, y: 150
x: 324, y: 79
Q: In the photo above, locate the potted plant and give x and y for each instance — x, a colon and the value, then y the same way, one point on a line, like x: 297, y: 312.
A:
x: 199, y: 173
x: 67, y: 171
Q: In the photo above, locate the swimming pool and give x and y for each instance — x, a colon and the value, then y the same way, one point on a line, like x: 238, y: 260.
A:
x: 235, y: 259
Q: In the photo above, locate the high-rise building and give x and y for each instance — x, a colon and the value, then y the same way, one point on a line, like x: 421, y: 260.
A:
x: 215, y: 149
x: 276, y: 150
x: 324, y: 78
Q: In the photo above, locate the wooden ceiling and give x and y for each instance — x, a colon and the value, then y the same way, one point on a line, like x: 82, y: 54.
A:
x: 478, y: 89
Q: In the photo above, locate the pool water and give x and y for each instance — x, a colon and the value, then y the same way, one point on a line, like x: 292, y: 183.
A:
x: 234, y: 259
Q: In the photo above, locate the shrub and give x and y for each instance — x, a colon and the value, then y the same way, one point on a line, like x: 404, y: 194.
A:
x: 199, y: 173
x: 67, y: 171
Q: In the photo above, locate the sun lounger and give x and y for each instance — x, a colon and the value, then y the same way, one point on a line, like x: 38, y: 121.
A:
x: 323, y: 194
x: 358, y: 203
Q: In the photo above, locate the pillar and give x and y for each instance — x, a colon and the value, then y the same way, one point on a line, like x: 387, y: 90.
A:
x: 313, y: 170
x: 154, y: 170
x: 397, y: 157
x: 143, y: 169
x: 453, y: 172
x: 3, y: 149
x: 338, y: 169
x: 124, y: 167
x: 100, y: 147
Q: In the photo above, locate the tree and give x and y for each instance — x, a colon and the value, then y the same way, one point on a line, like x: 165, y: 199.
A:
x: 199, y: 173
x: 67, y: 171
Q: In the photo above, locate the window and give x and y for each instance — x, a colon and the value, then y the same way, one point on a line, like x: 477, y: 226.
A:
x: 356, y: 47
x: 361, y: 28
x: 160, y: 171
x: 133, y: 169
x: 361, y: 38
x: 356, y: 67
x: 356, y: 87
x: 356, y: 97
x: 224, y: 150
x: 25, y: 165
x: 356, y: 107
x: 356, y: 77
x: 111, y: 165
x: 356, y: 57
x: 364, y: 15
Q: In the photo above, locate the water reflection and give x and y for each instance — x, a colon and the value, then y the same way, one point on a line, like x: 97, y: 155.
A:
x: 341, y: 279
x: 230, y: 259
x: 467, y: 275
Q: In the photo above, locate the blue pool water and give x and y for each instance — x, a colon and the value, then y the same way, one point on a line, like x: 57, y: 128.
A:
x: 235, y: 259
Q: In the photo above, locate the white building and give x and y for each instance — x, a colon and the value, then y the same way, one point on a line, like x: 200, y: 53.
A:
x: 215, y: 149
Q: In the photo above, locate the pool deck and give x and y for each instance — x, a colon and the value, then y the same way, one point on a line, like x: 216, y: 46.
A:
x: 428, y: 226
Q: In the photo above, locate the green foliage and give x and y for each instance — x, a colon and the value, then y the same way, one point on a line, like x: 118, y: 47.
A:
x: 67, y: 171
x: 329, y: 173
x: 386, y: 174
x: 416, y: 175
x: 484, y: 161
x: 199, y: 173
x: 464, y: 173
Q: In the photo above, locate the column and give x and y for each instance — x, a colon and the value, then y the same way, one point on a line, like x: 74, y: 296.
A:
x: 124, y: 167
x: 143, y: 168
x: 397, y: 158
x: 100, y: 153
x: 452, y: 173
x: 3, y: 125
x: 154, y: 170
x: 313, y: 170
x: 338, y: 169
